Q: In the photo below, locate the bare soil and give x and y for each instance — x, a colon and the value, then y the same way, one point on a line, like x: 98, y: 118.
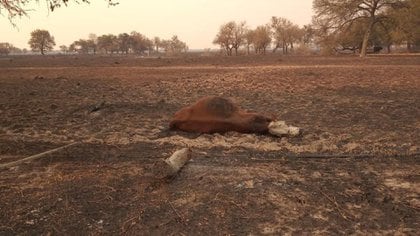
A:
x: 355, y: 170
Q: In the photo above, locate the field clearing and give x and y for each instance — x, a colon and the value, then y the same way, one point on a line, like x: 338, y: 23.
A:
x: 361, y: 119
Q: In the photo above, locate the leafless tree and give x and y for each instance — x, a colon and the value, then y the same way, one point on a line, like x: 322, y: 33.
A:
x: 19, y: 7
x: 285, y: 33
x: 262, y: 38
x: 231, y: 36
x: 174, y: 46
x: 308, y: 34
x: 239, y: 35
x: 249, y: 40
x: 225, y: 37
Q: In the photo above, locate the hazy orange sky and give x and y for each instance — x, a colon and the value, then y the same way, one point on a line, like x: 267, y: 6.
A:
x: 196, y: 22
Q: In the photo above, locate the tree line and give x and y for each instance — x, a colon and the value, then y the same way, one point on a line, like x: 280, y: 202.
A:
x: 125, y: 43
x: 42, y: 41
x: 280, y: 33
x: 353, y: 25
x: 6, y: 48
x: 338, y: 25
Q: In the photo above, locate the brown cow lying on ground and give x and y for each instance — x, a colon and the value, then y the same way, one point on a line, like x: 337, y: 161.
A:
x: 220, y: 115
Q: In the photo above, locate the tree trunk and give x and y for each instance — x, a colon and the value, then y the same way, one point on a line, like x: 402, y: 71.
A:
x: 409, y: 47
x: 366, y: 37
x: 228, y: 51
x: 276, y: 47
x: 42, y: 48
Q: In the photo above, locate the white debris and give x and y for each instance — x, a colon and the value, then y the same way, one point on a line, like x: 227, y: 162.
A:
x: 280, y: 128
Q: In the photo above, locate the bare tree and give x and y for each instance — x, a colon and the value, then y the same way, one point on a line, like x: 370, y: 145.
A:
x: 239, y: 35
x: 174, y: 46
x: 295, y: 35
x: 262, y: 38
x: 334, y: 15
x: 308, y: 34
x: 249, y: 40
x: 285, y: 33
x: 41, y: 40
x: 18, y: 7
x: 231, y: 36
x: 225, y: 37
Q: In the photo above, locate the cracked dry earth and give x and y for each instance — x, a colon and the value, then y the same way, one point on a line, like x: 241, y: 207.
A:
x: 354, y: 170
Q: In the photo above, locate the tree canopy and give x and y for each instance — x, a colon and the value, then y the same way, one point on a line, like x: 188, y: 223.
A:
x: 125, y: 43
x: 6, y: 48
x: 335, y: 16
x: 405, y: 24
x: 261, y: 38
x: 285, y: 33
x: 41, y: 41
x: 231, y: 36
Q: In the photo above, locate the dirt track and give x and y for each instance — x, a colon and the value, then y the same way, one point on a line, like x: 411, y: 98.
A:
x: 236, y: 183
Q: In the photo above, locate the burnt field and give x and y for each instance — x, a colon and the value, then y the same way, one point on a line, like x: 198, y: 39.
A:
x: 355, y: 169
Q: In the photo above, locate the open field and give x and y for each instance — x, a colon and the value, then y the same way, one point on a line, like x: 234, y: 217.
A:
x: 356, y: 169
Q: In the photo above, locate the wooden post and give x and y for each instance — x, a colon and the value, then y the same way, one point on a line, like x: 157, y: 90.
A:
x: 171, y: 166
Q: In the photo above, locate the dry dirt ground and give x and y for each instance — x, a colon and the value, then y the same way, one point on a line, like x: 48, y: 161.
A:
x: 355, y: 170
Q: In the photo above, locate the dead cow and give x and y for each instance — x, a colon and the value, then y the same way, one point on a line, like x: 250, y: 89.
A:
x: 219, y: 115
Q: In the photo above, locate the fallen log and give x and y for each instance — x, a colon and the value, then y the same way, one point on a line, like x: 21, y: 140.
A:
x: 34, y: 157
x: 171, y: 166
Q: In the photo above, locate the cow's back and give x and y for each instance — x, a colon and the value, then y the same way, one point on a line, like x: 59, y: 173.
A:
x: 216, y: 114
